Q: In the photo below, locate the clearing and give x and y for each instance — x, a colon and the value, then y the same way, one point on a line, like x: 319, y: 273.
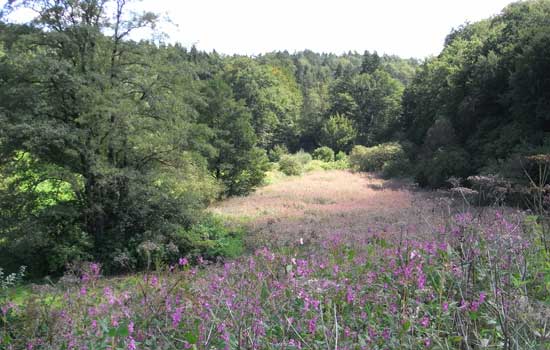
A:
x: 318, y: 204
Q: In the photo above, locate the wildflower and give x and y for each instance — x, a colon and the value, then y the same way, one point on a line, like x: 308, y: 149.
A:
x: 427, y: 342
x: 131, y: 343
x: 421, y: 280
x: 445, y: 306
x: 350, y: 295
x: 425, y: 322
x: 312, y: 325
x: 183, y: 261
x: 83, y: 291
x: 176, y: 317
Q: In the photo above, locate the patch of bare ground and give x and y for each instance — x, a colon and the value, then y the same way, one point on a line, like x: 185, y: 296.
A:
x: 319, y: 204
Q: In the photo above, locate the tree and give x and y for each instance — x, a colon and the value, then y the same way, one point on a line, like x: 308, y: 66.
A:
x: 371, y: 62
x: 273, y: 97
x: 106, y: 120
x: 238, y: 163
x: 338, y: 133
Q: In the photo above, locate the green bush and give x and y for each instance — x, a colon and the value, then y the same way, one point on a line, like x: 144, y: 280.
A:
x: 374, y: 158
x: 291, y: 165
x: 277, y: 153
x: 396, y: 168
x: 434, y: 171
x: 211, y: 239
x: 302, y: 157
x: 341, y: 156
x: 326, y: 154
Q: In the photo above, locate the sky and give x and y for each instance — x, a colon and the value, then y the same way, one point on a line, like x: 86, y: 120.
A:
x: 408, y: 28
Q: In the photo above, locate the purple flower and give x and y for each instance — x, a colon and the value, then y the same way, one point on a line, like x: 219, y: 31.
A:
x: 131, y: 343
x: 176, y: 317
x: 312, y: 325
x: 183, y: 261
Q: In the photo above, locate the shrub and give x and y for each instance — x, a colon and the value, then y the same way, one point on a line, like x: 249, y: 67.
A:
x: 303, y: 157
x: 326, y: 154
x: 277, y: 153
x: 374, y: 158
x: 396, y: 168
x: 315, y: 165
x: 434, y: 171
x: 291, y: 165
x: 341, y: 156
x: 211, y: 239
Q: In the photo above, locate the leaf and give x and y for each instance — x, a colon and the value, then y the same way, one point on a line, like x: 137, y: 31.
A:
x: 112, y: 332
x: 191, y: 338
x: 122, y: 331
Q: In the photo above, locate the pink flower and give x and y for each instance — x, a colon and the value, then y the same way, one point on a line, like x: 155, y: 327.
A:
x: 425, y: 321
x: 176, y: 317
x: 312, y: 325
x: 183, y: 261
x: 131, y: 343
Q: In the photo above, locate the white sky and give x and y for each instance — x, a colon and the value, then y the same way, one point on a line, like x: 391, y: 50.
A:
x: 408, y: 28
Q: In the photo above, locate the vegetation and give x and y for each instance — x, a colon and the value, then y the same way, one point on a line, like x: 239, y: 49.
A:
x: 142, y: 158
x: 324, y: 153
x: 456, y: 289
x: 376, y: 158
x: 108, y: 143
x: 484, y: 100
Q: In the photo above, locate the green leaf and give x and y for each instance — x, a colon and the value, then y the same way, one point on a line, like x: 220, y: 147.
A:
x: 191, y: 338
x: 122, y: 331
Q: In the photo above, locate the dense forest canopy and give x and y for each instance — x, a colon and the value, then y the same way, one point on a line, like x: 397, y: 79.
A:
x: 109, y: 145
x: 484, y: 99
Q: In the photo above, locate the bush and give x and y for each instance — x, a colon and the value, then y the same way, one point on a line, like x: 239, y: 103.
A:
x: 434, y: 171
x: 326, y: 154
x: 303, y: 157
x: 374, y: 158
x: 212, y: 239
x: 341, y: 156
x: 396, y: 168
x: 277, y: 153
x: 291, y: 165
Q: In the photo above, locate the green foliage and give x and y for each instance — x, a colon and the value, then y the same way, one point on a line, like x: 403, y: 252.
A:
x: 485, y: 96
x: 326, y: 154
x: 237, y: 162
x: 112, y: 148
x: 272, y: 95
x: 277, y: 152
x: 302, y: 157
x: 377, y: 158
x: 338, y: 133
x: 211, y: 239
x: 317, y: 165
x: 291, y: 165
x: 443, y: 164
x: 341, y: 156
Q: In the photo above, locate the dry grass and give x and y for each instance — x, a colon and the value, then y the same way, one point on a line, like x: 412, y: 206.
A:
x: 321, y: 203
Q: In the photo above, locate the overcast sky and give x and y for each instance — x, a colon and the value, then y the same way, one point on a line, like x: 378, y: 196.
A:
x: 408, y: 28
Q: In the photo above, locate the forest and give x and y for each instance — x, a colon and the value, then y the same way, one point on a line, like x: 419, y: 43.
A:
x: 112, y: 150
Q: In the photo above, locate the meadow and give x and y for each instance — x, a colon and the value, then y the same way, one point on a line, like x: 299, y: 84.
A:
x: 337, y: 260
